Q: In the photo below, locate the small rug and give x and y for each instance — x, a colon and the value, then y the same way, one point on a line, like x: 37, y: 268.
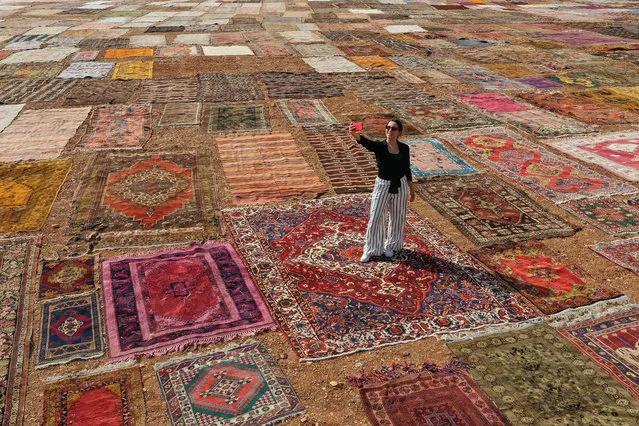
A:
x: 617, y: 152
x: 180, y: 114
x: 577, y: 79
x: 102, y: 92
x: 363, y: 50
x: 272, y: 49
x: 87, y: 70
x: 266, y: 168
x: 104, y: 43
x: 545, y: 278
x: 17, y: 258
x: 147, y: 40
x: 136, y: 70
x: 397, y: 44
x: 616, y: 98
x: 374, y: 62
x: 49, y: 54
x: 429, y: 158
x: 610, y: 342
x: 535, y: 377
x: 112, y: 397
x: 239, y: 385
x: 438, y: 114
x: 218, y: 39
x: 163, y: 301
x: 70, y: 329
x: 127, y: 53
x: 406, y: 77
x: 306, y: 113
x: 85, y: 55
x: 612, y: 216
x: 624, y: 253
x: 228, y: 88
x: 238, y: 50
x: 489, y: 211
x: 288, y: 85
x: 175, y: 51
x: 301, y: 37
x: 484, y: 78
x: 379, y: 88
x: 21, y: 91
x: 494, y: 103
x: 118, y: 127
x: 329, y: 304
x: 510, y: 70
x: 8, y: 113
x: 540, y: 83
x: 307, y: 50
x: 435, y: 77
x: 332, y: 64
x: 68, y: 276
x: 249, y: 117
x: 167, y: 91
x: 543, y: 172
x: 338, y: 36
x: 192, y: 39
x: 31, y: 71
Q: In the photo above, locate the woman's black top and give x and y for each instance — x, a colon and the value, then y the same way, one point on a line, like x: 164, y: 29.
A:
x: 390, y: 166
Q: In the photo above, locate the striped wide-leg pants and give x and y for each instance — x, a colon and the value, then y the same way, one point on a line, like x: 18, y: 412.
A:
x: 383, y: 205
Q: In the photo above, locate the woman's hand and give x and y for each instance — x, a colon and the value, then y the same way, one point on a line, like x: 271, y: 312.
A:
x: 354, y: 129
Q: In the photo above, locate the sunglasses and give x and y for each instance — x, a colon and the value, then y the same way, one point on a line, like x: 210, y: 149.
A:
x: 392, y: 128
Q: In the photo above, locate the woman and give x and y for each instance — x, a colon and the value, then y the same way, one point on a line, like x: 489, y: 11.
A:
x: 393, y: 189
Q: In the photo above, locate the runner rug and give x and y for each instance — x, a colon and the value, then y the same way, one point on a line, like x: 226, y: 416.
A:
x: 99, y: 397
x: 289, y: 85
x: 350, y: 168
x: 536, y: 377
x: 118, y: 127
x: 489, y: 211
x: 430, y: 158
x: 612, y: 216
x: 236, y: 385
x: 164, y: 301
x: 548, y: 280
x: 623, y: 252
x: 529, y: 164
x: 438, y: 114
x: 27, y: 192
x: 266, y: 168
x: 68, y: 276
x: 166, y: 91
x: 228, y: 88
x: 611, y: 342
x: 329, y: 304
x: 17, y: 260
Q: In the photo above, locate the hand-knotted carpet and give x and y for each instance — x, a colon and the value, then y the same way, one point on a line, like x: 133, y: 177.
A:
x: 27, y: 192
x: 486, y: 79
x: 164, y: 301
x: 180, y: 114
x: 615, y: 152
x: 272, y: 49
x: 619, y: 98
x: 489, y: 211
x: 266, y: 168
x: 102, y: 92
x: 135, y: 70
x: 549, y: 281
x: 612, y: 216
x: 406, y: 77
x: 306, y: 258
x: 70, y: 329
x: 438, y: 114
x: 24, y: 91
x: 118, y: 127
x: 611, y: 342
x: 349, y: 167
x: 376, y: 62
x: 238, y: 385
x: 112, y: 397
x: 378, y: 88
x: 175, y: 51
x: 87, y: 70
x: 246, y: 117
x: 535, y: 377
x: 49, y: 54
x: 540, y: 83
x: 547, y: 174
x: 17, y: 260
x: 412, y: 62
x: 170, y: 90
x: 429, y: 158
x: 127, y: 53
x: 68, y: 276
x: 307, y: 50
x: 308, y: 85
x: 623, y: 252
x: 307, y: 113
x: 228, y: 88
x: 8, y: 113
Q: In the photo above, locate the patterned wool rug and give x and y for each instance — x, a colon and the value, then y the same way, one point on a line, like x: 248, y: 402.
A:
x: 612, y: 216
x: 37, y: 90
x: 262, y: 169
x: 118, y: 127
x: 541, y: 171
x: 489, y: 211
x: 306, y: 113
x: 134, y: 70
x: 378, y: 88
x: 618, y: 98
x: 17, y: 259
x: 535, y: 377
x: 615, y: 152
x: 329, y: 304
x: 544, y: 277
x: 163, y: 301
x: 246, y: 117
x: 623, y: 252
x: 70, y: 329
x: 228, y: 88
x: 438, y: 114
x: 180, y: 114
x: 27, y: 192
x: 272, y: 49
x: 111, y: 397
x: 349, y: 167
x: 236, y: 385
x: 68, y: 276
x: 430, y: 158
x: 611, y: 342
x: 486, y: 79
x: 308, y: 85
x: 166, y: 91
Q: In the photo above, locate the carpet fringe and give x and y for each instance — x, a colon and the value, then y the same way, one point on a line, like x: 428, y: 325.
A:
x: 229, y: 346
x: 66, y: 361
x: 593, y: 311
x: 398, y: 370
x: 83, y: 373
x: 488, y: 330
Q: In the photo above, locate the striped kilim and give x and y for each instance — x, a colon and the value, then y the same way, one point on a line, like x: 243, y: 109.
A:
x: 266, y: 168
x: 29, y: 91
x: 166, y: 91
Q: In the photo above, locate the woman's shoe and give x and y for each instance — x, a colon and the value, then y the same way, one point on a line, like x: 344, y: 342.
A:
x: 365, y: 258
x: 388, y: 253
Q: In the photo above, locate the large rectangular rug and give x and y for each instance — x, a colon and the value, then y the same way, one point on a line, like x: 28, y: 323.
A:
x: 623, y: 252
x: 134, y: 70
x: 34, y: 90
x: 105, y: 396
x: 232, y: 118
x: 537, y: 378
x: 27, y: 192
x: 169, y: 90
x: 266, y: 168
x: 118, y: 127
x: 228, y: 88
x: 612, y: 216
x: 163, y: 301
x: 430, y: 158
x: 305, y: 258
x: 544, y: 277
x: 611, y: 342
x: 303, y: 85
x: 438, y: 114
x: 306, y: 112
x: 531, y: 165
x: 237, y: 385
x: 489, y: 211
x: 350, y: 168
